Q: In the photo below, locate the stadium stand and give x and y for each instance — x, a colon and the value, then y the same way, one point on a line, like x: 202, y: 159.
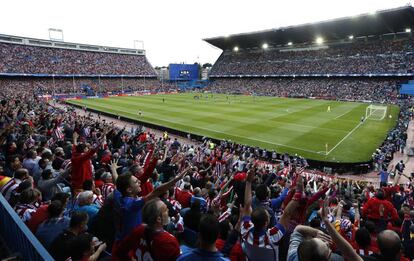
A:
x: 365, y: 57
x: 51, y: 86
x: 92, y: 190
x: 355, y: 58
x: 42, y: 60
x: 378, y: 90
x: 49, y: 67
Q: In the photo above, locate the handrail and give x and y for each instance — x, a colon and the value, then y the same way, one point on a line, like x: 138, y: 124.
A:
x: 18, y: 236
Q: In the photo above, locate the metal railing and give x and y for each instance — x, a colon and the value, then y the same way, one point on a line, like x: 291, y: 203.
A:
x: 17, y: 235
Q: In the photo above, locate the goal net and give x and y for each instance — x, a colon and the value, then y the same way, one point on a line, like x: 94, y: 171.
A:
x: 375, y: 112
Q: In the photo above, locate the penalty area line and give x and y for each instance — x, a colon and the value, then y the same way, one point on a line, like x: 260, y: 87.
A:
x: 344, y: 138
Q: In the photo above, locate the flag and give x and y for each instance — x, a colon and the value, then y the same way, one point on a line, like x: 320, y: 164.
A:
x: 57, y: 134
x: 50, y: 142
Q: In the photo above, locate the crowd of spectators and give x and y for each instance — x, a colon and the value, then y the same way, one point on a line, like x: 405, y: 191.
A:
x: 16, y: 58
x: 50, y: 86
x: 354, y: 57
x: 377, y: 90
x: 90, y: 190
x: 396, y: 138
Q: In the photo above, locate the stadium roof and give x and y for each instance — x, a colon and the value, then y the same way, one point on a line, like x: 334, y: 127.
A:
x: 379, y: 23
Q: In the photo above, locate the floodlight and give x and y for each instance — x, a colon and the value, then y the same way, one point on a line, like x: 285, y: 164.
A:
x: 236, y: 49
x: 265, y: 46
x: 319, y: 40
x: 290, y: 43
x: 408, y: 30
x: 351, y: 37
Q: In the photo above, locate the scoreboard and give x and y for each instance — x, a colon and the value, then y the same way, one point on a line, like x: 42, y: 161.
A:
x: 183, y: 72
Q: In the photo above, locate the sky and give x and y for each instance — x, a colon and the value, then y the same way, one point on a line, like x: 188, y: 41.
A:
x: 171, y: 31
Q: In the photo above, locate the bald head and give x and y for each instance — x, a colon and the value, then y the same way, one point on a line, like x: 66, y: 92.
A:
x: 389, y: 244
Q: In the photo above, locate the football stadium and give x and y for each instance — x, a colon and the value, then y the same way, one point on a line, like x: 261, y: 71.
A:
x: 295, y: 144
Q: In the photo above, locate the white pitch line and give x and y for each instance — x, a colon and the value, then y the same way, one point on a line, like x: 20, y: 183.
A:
x: 343, y: 114
x: 344, y: 138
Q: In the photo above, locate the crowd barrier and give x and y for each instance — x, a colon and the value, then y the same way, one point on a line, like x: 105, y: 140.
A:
x: 19, y: 239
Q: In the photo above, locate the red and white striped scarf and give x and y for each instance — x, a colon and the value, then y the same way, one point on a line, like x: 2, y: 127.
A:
x: 225, y: 215
x: 9, y: 187
x: 97, y: 200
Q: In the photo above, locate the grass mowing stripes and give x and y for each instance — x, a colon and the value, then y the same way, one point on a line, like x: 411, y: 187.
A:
x: 301, y: 126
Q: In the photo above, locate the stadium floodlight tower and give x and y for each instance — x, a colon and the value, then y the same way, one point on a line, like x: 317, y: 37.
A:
x: 55, y: 34
x: 139, y: 44
x: 375, y: 112
x: 319, y: 40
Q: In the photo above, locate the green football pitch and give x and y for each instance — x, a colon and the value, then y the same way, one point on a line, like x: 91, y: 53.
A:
x: 301, y: 126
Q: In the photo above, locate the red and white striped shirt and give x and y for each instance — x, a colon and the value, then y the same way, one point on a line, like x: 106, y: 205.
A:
x: 213, y: 203
x: 267, y: 239
x: 176, y: 205
x: 10, y: 187
x: 197, y: 176
x: 58, y: 134
x: 25, y: 211
x: 97, y: 200
x: 200, y: 157
x: 107, y: 189
x: 219, y: 168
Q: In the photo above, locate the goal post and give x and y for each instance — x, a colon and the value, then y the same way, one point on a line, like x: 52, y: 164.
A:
x: 375, y: 112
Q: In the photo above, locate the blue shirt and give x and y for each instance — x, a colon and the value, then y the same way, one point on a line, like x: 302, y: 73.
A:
x: 50, y: 229
x: 384, y: 176
x: 203, y: 202
x: 200, y: 254
x: 277, y: 202
x: 128, y: 214
x: 92, y: 210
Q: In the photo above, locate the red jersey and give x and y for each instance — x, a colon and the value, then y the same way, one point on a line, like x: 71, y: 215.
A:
x: 389, y: 191
x: 183, y: 197
x: 81, y: 167
x: 236, y: 253
x: 365, y: 251
x: 371, y: 209
x: 37, y: 218
x: 164, y: 246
